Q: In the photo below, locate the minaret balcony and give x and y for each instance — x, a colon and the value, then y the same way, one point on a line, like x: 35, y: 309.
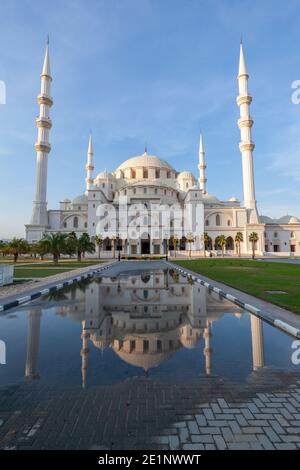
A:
x: 201, y: 166
x: 45, y: 99
x: 246, y: 146
x: 241, y: 99
x: 43, y: 147
x: 245, y: 122
x: 43, y: 122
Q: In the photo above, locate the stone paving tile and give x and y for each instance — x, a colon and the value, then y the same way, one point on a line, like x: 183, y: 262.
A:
x: 141, y: 413
x: 258, y: 424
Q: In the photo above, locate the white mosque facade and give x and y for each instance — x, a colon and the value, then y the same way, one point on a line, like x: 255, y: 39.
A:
x: 145, y: 200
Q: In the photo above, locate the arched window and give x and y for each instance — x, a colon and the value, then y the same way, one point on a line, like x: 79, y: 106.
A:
x: 275, y: 235
x: 157, y: 173
x: 145, y: 173
x: 133, y: 174
x: 75, y: 222
x: 228, y: 222
x: 168, y: 174
x: 65, y: 224
x: 85, y: 224
x: 218, y: 220
x: 207, y: 222
x: 292, y: 234
x: 186, y: 185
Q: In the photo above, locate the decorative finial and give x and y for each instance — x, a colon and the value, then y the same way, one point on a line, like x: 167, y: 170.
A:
x: 146, y: 151
x: 241, y: 41
x: 48, y: 39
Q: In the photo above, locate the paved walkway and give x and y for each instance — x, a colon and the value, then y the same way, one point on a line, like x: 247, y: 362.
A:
x: 142, y: 413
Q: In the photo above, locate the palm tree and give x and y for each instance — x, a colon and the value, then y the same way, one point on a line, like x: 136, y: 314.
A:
x: 206, y: 240
x: 71, y: 244
x: 18, y: 246
x: 174, y: 242
x: 56, y: 244
x: 84, y: 244
x: 190, y: 239
x: 239, y: 238
x: 3, y: 247
x: 253, y: 239
x: 221, y: 241
x: 42, y: 248
x: 99, y: 243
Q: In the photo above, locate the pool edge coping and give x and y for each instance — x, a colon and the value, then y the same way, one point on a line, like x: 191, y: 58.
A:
x: 277, y: 323
x: 53, y: 286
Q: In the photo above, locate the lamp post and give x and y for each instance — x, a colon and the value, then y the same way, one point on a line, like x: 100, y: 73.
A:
x: 166, y: 246
x: 118, y: 246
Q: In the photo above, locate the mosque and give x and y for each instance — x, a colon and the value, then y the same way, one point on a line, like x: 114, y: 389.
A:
x: 145, y: 202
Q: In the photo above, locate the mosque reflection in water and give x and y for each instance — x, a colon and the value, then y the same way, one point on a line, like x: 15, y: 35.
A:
x: 145, y: 317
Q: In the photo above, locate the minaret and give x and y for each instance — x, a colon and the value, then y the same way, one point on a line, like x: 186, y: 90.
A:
x: 89, y: 165
x: 246, y: 145
x: 84, y: 353
x: 202, y: 166
x: 207, y: 349
x: 33, y: 343
x: 257, y: 339
x: 42, y: 146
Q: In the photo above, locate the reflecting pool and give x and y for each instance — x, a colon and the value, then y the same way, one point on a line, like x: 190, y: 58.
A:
x: 146, y: 326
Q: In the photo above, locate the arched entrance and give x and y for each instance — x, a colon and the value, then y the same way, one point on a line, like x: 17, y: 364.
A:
x: 209, y: 244
x: 145, y: 245
x: 229, y: 243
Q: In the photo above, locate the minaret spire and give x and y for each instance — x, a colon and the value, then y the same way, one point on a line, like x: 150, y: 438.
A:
x: 202, y: 166
x: 245, y: 123
x: 89, y: 165
x: 42, y: 147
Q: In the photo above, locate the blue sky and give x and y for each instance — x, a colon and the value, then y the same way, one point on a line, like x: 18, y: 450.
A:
x: 152, y: 71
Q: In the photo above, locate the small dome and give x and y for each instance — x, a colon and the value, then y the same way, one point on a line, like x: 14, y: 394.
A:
x: 67, y: 200
x: 210, y: 199
x: 294, y: 220
x: 233, y: 199
x: 264, y: 219
x: 288, y: 219
x: 81, y: 199
x: 186, y: 175
x: 104, y: 175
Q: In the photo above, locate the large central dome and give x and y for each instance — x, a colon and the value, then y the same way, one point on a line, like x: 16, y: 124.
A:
x: 144, y: 161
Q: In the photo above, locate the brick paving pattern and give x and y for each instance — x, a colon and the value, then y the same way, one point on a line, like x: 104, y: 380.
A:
x: 140, y: 413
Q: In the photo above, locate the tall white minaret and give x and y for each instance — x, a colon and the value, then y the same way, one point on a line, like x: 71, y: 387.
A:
x: 202, y: 166
x: 257, y: 338
x: 89, y: 166
x: 42, y: 146
x: 246, y: 144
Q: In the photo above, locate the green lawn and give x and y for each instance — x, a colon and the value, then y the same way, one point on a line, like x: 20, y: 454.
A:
x: 254, y: 277
x: 39, y: 269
